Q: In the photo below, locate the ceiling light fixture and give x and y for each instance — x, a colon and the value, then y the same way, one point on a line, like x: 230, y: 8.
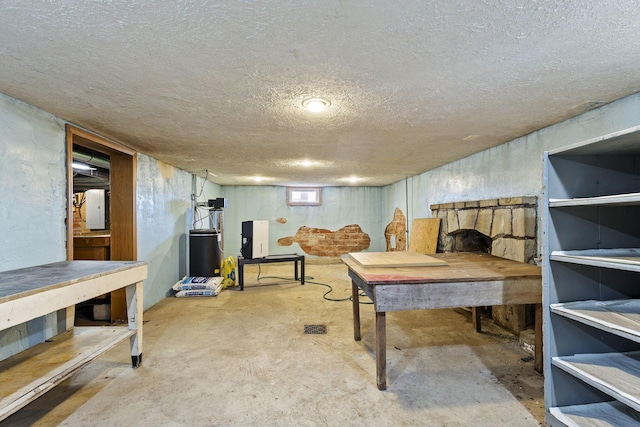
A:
x: 316, y: 105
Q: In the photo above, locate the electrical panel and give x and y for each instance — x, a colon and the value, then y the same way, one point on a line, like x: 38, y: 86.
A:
x: 95, y: 208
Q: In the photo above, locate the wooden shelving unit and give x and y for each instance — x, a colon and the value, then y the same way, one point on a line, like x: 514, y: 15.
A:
x: 591, y: 276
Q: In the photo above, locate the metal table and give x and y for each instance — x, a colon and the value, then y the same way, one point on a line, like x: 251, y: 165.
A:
x: 295, y: 258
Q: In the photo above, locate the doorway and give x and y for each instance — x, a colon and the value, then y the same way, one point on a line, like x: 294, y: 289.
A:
x: 114, y: 178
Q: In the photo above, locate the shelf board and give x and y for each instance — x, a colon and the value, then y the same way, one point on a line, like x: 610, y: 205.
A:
x: 603, y: 414
x: 619, y: 317
x: 616, y: 374
x: 620, y: 259
x: 27, y: 375
x: 630, y: 199
x: 624, y: 142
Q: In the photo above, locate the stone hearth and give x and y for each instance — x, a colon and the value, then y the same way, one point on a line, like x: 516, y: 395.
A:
x: 509, y: 225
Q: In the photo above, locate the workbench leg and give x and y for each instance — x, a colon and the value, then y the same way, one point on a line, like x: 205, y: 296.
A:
x: 355, y: 298
x: 381, y: 350
x: 302, y: 271
x: 70, y: 317
x: 537, y: 356
x: 475, y: 318
x: 295, y: 270
x: 134, y: 314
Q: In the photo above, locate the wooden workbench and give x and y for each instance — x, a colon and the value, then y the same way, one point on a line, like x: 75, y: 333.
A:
x: 468, y: 280
x: 29, y: 293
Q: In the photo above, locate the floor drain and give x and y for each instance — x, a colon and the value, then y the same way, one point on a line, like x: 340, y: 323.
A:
x: 315, y: 329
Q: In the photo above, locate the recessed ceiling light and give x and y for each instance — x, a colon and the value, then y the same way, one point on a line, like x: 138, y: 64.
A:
x: 316, y: 105
x: 352, y: 179
x: 306, y: 163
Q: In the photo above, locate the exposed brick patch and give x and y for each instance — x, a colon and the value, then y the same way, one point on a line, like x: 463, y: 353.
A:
x: 286, y: 241
x: 323, y: 242
x: 396, y: 232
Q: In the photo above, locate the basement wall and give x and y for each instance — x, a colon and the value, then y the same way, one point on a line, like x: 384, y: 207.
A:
x: 32, y: 206
x: 341, y: 206
x: 33, y: 191
x: 164, y: 217
x: 509, y: 170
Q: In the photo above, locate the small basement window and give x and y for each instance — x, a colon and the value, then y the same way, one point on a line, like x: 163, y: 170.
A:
x: 304, y: 196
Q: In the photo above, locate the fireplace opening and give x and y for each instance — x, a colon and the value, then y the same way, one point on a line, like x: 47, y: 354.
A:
x: 469, y: 240
x: 512, y: 224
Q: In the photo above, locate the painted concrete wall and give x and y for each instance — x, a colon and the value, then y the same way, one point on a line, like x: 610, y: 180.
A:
x: 509, y: 170
x: 164, y: 217
x: 32, y: 186
x: 33, y: 211
x: 32, y: 205
x: 340, y: 206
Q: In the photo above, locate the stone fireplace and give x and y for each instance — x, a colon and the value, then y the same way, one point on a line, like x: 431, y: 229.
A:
x: 502, y: 227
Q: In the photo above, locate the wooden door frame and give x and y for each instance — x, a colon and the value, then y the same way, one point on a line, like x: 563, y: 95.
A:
x: 122, y: 177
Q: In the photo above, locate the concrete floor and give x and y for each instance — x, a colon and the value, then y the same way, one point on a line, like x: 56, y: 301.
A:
x: 242, y: 359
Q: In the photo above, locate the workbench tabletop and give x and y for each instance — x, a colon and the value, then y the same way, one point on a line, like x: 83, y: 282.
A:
x: 461, y: 266
x: 25, y: 281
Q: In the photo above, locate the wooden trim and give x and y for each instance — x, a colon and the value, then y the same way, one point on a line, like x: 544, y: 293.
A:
x: 122, y: 177
x: 96, y: 142
x: 123, y: 207
x: 69, y: 138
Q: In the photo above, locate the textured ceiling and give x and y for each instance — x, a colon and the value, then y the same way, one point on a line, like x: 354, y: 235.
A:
x: 218, y: 85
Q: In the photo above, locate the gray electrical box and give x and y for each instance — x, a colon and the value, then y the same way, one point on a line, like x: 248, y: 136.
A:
x: 95, y: 209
